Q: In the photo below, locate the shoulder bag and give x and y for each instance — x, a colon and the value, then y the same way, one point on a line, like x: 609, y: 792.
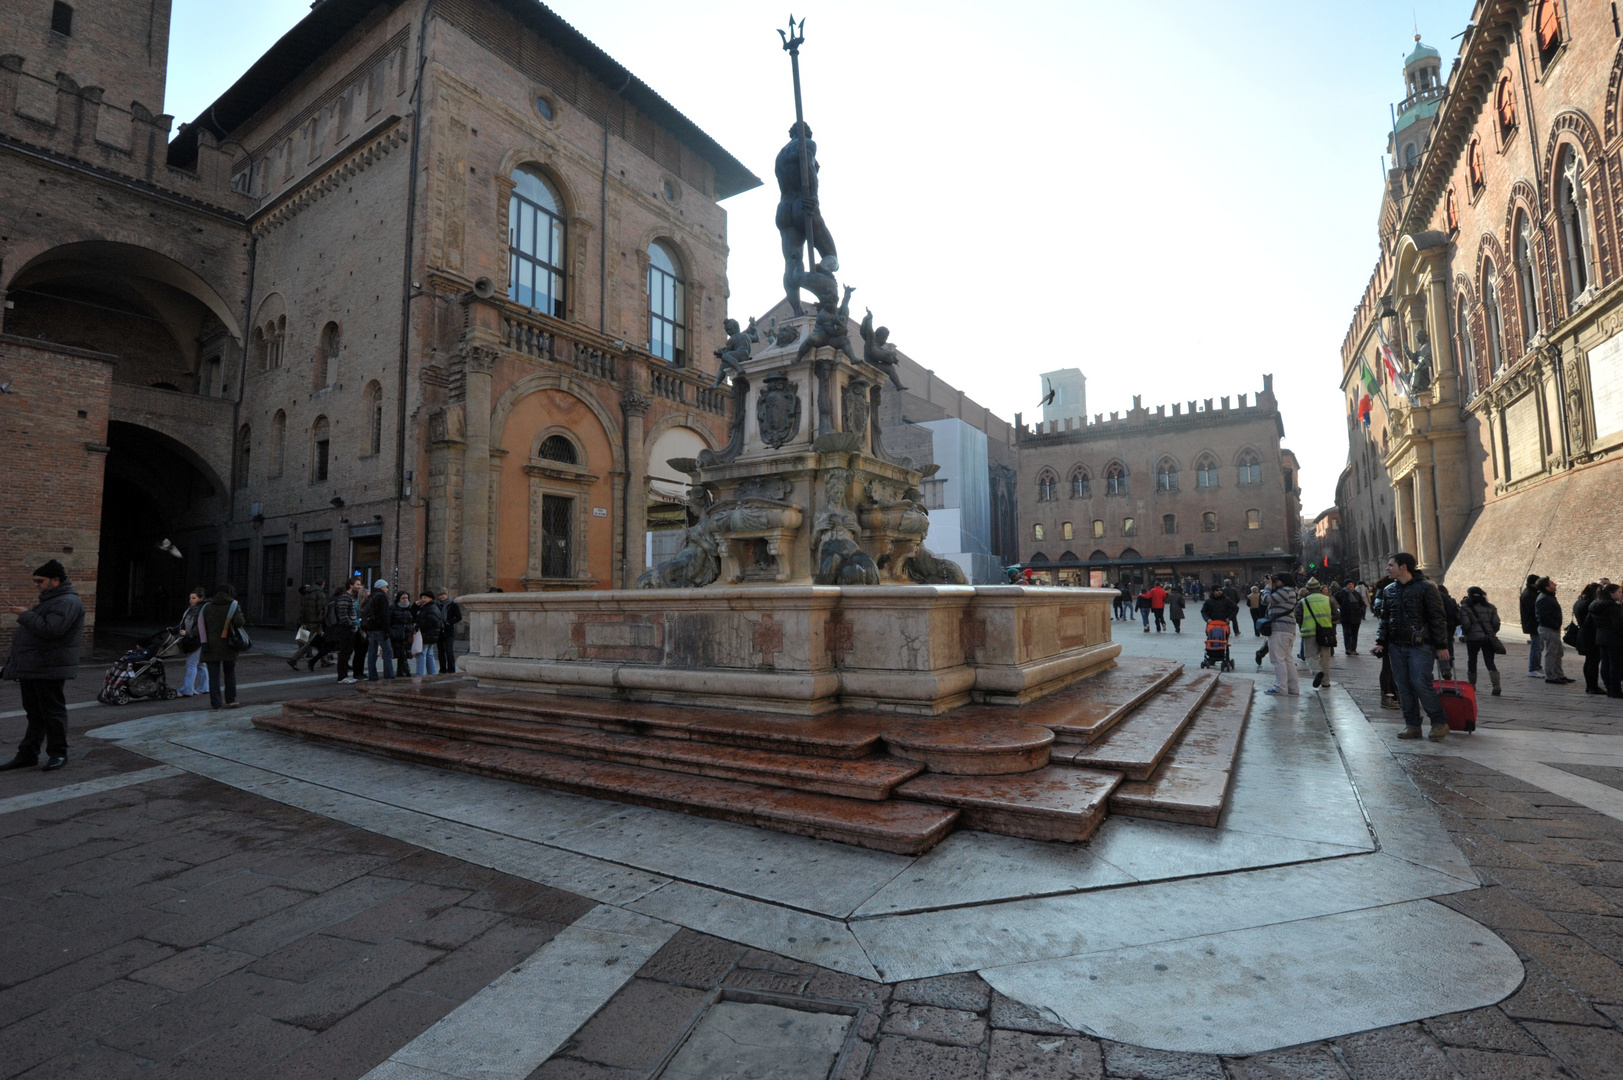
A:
x: 236, y: 637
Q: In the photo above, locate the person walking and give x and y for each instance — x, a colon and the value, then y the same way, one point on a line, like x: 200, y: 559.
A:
x: 447, y: 644
x: 430, y: 622
x: 1606, y: 613
x: 191, y: 639
x: 1352, y: 616
x: 221, y: 615
x: 1317, y: 615
x: 1479, y: 624
x: 1412, y: 631
x: 402, y: 627
x: 375, y: 625
x: 1547, y: 616
x: 1535, y: 649
x: 1158, y: 606
x: 44, y: 655
x: 341, y: 619
x: 312, y: 612
x: 1175, y: 610
x: 1451, y: 618
x: 1586, y: 638
x: 1143, y: 606
x: 1253, y: 601
x: 1389, y: 685
x: 1281, y: 612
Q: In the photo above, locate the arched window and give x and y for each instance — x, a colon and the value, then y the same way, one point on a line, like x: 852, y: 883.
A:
x: 1253, y: 519
x: 244, y: 439
x: 1250, y: 468
x: 1464, y: 346
x: 374, y: 417
x: 1496, y: 318
x: 1547, y: 24
x: 1098, y: 556
x: 1206, y: 471
x: 278, y: 442
x: 1526, y: 280
x: 1477, y: 171
x: 1098, y: 528
x: 1504, y: 105
x: 1066, y: 532
x: 1047, y: 484
x: 558, y: 448
x: 1081, y: 484
x: 1129, y: 527
x: 1169, y: 523
x: 1166, y: 475
x: 261, y: 349
x: 327, y: 357
x: 1451, y: 210
x: 1411, y: 156
x: 1115, y: 479
x: 667, y: 305
x: 1037, y: 532
x: 1208, y: 522
x: 1572, y: 204
x: 320, y: 456
x: 535, y: 243
x: 278, y: 338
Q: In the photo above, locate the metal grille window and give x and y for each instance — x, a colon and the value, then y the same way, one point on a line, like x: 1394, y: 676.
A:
x: 667, y: 305
x: 558, y: 448
x: 535, y: 244
x: 557, y: 514
x: 272, y: 578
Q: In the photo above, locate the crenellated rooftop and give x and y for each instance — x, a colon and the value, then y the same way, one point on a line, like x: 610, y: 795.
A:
x: 1199, y: 413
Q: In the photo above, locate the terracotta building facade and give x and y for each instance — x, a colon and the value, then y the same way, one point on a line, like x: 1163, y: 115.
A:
x: 1199, y: 490
x: 429, y: 293
x: 1498, y: 294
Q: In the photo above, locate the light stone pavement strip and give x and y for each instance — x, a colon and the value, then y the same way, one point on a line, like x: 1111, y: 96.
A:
x: 509, y: 1028
x: 86, y: 787
x: 1324, y: 856
x: 93, y: 703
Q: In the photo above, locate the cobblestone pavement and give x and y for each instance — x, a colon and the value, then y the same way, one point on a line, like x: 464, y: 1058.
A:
x: 179, y: 927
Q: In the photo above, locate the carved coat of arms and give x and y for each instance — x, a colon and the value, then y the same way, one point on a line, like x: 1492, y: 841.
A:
x: 777, y: 411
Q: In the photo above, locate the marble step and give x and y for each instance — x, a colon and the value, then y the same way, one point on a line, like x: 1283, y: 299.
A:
x: 837, y: 735
x: 862, y: 778
x: 1052, y: 803
x: 1136, y: 745
x: 1192, y: 782
x: 947, y: 744
x: 1085, y: 711
x: 901, y: 827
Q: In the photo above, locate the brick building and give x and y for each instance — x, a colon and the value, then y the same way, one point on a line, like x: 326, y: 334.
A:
x: 1494, y: 452
x: 1206, y: 491
x: 422, y: 295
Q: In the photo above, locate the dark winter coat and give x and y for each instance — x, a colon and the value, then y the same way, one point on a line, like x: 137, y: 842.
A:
x: 1410, y: 610
x: 1219, y: 609
x: 430, y: 620
x: 1547, y: 611
x: 215, y: 650
x: 312, y: 606
x: 400, y: 623
x: 45, y: 644
x: 1478, y: 619
x: 453, y: 615
x: 1606, y: 617
x: 1529, y: 619
x: 1352, y: 608
x: 375, y: 611
x: 1586, y: 629
x: 1175, y: 606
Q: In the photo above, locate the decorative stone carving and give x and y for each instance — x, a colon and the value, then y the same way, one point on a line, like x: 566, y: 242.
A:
x: 735, y: 431
x: 771, y: 488
x: 633, y: 403
x: 877, y: 351
x: 928, y: 568
x: 777, y: 411
x: 854, y: 408
x: 1573, y: 377
x: 840, y: 560
x: 787, y: 334
x: 699, y: 561
x: 740, y: 523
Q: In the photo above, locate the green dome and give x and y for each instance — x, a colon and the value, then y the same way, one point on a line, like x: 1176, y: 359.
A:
x: 1422, y: 51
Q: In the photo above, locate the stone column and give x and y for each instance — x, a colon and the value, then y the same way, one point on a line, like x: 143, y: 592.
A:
x: 478, y: 361
x: 1444, y: 378
x: 1403, y: 507
x: 1424, y: 521
x: 634, y: 404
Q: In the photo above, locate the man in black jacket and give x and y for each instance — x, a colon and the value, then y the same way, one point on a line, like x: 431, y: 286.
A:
x: 44, y: 654
x: 1547, y: 617
x: 375, y: 624
x: 453, y: 615
x: 1413, y: 634
x: 1530, y: 627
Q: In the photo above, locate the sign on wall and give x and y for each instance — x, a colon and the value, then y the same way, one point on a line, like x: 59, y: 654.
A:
x: 1524, y: 447
x: 1606, y: 387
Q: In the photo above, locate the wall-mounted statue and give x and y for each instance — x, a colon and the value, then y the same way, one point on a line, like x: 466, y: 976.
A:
x: 877, y: 350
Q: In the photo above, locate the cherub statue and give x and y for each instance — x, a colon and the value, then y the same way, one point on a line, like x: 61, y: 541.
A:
x: 830, y: 327
x: 737, y: 350
x: 877, y: 351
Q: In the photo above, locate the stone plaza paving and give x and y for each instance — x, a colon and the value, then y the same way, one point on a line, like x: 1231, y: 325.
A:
x: 196, y: 897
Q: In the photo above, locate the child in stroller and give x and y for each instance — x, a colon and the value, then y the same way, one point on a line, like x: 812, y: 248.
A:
x: 1217, y: 646
x: 139, y: 673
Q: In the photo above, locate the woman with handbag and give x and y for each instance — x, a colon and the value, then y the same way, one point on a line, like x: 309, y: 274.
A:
x: 224, y: 638
x: 191, y: 640
x: 402, y: 628
x: 1479, y: 625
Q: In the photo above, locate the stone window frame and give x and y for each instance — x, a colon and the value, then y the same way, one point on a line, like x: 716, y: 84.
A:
x: 1504, y: 94
x: 1037, y: 531
x: 1117, y: 479
x: 278, y: 447
x: 1570, y: 168
x: 1098, y: 528
x: 1545, y: 56
x: 1081, y: 483
x: 372, y: 402
x: 1166, y: 475
x: 1047, y: 484
x: 1067, y: 531
x: 1208, y: 474
x: 1129, y: 526
x: 329, y: 344
x: 575, y: 230
x: 1253, y: 519
x: 1208, y: 521
x: 1169, y: 524
x: 321, y: 429
x: 565, y: 480
x: 1241, y: 464
x: 681, y: 330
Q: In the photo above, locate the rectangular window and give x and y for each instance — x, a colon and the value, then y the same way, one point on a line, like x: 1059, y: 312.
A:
x: 317, y: 562
x: 1065, y: 532
x: 1189, y: 549
x: 319, y: 469
x: 1234, y: 547
x: 1169, y: 524
x: 1129, y: 527
x: 1098, y: 529
x: 62, y: 19
x: 557, y: 517
x: 273, y: 582
x: 1036, y: 532
x: 1253, y: 519
x: 366, y: 558
x: 236, y: 567
x: 1208, y: 522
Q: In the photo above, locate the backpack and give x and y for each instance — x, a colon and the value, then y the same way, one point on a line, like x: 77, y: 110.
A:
x: 329, y: 617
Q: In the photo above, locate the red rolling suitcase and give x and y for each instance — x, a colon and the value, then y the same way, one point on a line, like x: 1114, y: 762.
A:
x: 1459, y: 700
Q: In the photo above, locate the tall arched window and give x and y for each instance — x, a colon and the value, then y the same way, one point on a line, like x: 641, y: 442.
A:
x: 1451, y: 210
x: 1526, y: 280
x: 1250, y: 468
x: 261, y: 349
x: 667, y: 305
x: 1464, y: 347
x: 1572, y: 204
x: 1208, y: 522
x: 374, y: 417
x: 278, y: 442
x: 1047, y: 484
x: 278, y: 339
x: 1206, y: 471
x: 1081, y: 484
x: 1115, y: 479
x: 1098, y: 528
x: 1547, y: 21
x: 320, y: 450
x: 1477, y: 171
x: 1166, y: 475
x: 244, y: 440
x: 1066, y: 532
x: 327, y: 356
x: 1504, y: 105
x: 1495, y: 316
x: 535, y: 243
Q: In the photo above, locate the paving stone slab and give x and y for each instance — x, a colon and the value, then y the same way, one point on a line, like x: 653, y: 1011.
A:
x: 1136, y: 745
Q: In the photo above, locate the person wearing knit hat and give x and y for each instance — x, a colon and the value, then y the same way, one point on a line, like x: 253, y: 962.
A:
x: 44, y: 654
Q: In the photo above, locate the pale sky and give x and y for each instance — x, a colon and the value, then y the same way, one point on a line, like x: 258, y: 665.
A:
x: 1174, y: 197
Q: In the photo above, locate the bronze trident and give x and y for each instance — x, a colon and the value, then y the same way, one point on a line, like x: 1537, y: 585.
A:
x: 792, y: 41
